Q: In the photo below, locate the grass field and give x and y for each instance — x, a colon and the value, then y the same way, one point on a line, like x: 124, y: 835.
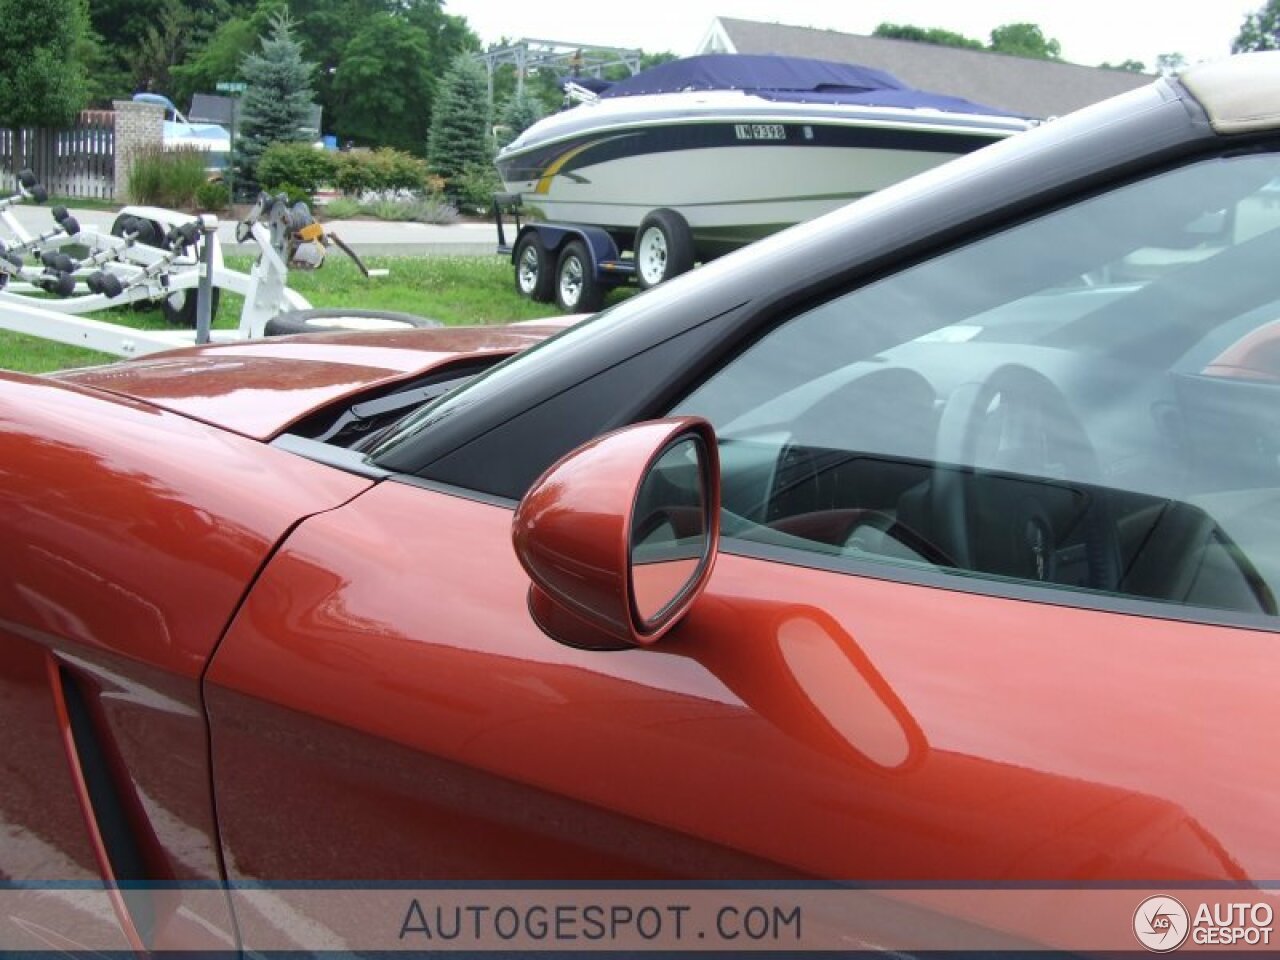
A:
x: 454, y: 290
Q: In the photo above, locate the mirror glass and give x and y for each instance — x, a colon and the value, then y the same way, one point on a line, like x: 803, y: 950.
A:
x: 669, y: 530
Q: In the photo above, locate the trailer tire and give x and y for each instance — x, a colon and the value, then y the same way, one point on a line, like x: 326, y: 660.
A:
x: 336, y: 319
x: 535, y: 277
x: 179, y: 307
x: 663, y: 248
x: 149, y: 232
x: 577, y: 288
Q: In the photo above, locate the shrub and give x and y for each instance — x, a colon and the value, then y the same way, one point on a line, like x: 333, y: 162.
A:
x: 341, y: 208
x: 388, y: 208
x: 292, y: 191
x: 300, y: 164
x: 418, y: 209
x: 167, y: 178
x: 397, y: 170
x: 352, y: 174
x: 475, y: 186
x: 360, y: 171
x: 213, y: 197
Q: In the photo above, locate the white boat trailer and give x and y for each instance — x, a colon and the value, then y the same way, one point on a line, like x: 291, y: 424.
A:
x: 121, y: 269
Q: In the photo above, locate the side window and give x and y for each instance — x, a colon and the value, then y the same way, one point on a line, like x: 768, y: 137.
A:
x: 1089, y: 401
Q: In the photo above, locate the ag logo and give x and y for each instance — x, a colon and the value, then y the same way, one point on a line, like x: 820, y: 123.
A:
x: 1161, y: 924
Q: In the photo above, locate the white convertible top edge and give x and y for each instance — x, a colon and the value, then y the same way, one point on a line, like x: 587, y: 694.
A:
x: 1241, y: 94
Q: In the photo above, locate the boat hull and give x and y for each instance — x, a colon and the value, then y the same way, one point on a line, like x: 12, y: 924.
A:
x: 734, y: 179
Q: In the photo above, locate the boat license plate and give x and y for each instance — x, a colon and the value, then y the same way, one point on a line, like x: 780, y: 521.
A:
x: 760, y: 131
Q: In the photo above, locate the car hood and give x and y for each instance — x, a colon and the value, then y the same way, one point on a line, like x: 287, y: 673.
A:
x: 258, y: 388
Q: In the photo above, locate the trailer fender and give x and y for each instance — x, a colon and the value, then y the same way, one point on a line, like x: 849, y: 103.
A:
x: 554, y: 236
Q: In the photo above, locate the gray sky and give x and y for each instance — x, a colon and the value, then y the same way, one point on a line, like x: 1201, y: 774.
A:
x: 1090, y: 31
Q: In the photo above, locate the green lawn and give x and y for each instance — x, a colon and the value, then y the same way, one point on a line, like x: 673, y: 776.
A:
x: 454, y: 290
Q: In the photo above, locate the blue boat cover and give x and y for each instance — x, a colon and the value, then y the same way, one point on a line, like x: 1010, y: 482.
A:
x: 791, y: 80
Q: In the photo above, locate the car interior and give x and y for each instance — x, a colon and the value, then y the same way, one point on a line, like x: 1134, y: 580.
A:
x: 1068, y: 404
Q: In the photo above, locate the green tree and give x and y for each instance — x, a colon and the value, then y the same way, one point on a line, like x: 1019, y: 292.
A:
x: 943, y: 38
x: 1168, y: 64
x: 648, y: 60
x: 1018, y: 39
x: 221, y: 55
x: 42, y: 79
x: 1024, y: 40
x: 450, y: 35
x: 521, y: 112
x: 1132, y: 66
x: 1260, y: 30
x: 384, y: 85
x: 106, y: 79
x: 327, y: 27
x: 122, y: 24
x: 145, y: 42
x: 459, y: 139
x: 276, y: 105
x: 163, y: 46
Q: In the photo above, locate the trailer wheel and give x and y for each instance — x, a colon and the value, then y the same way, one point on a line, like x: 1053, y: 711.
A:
x: 179, y: 307
x: 333, y: 320
x: 663, y: 248
x: 577, y: 289
x: 148, y: 231
x: 534, y: 276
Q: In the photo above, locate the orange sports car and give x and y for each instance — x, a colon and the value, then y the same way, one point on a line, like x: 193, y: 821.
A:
x: 935, y: 541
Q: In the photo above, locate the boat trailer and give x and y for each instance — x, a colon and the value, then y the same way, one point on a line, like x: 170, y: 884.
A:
x: 575, y: 265
x: 152, y: 255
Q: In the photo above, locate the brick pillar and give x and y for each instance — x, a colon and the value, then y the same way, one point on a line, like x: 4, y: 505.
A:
x: 138, y: 126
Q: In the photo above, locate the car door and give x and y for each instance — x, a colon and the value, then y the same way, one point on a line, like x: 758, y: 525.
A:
x: 128, y: 542
x: 994, y: 602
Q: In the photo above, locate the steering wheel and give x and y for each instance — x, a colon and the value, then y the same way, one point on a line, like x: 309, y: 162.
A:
x: 1016, y: 422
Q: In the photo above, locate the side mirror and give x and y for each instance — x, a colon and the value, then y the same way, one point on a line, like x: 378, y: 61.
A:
x: 619, y: 537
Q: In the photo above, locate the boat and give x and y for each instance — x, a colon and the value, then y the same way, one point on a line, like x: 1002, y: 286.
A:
x: 738, y: 146
x: 181, y: 134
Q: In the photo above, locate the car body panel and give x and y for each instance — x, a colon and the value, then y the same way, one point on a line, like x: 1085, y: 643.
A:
x: 487, y: 750
x: 302, y: 661
x: 125, y: 559
x: 258, y: 388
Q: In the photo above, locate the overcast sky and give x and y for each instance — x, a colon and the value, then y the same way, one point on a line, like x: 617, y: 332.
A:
x: 1090, y: 31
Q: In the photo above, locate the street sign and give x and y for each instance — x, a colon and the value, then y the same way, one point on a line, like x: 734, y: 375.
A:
x: 234, y: 88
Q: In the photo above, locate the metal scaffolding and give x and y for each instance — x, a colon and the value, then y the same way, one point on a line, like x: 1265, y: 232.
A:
x: 577, y: 58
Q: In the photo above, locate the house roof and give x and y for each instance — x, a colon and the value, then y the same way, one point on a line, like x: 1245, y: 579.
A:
x: 1038, y: 88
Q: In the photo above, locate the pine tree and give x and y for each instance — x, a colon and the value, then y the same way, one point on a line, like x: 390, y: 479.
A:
x: 276, y: 105
x: 459, y: 139
x: 521, y: 112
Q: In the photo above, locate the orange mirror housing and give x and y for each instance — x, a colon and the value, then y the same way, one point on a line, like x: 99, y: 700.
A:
x: 645, y: 498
